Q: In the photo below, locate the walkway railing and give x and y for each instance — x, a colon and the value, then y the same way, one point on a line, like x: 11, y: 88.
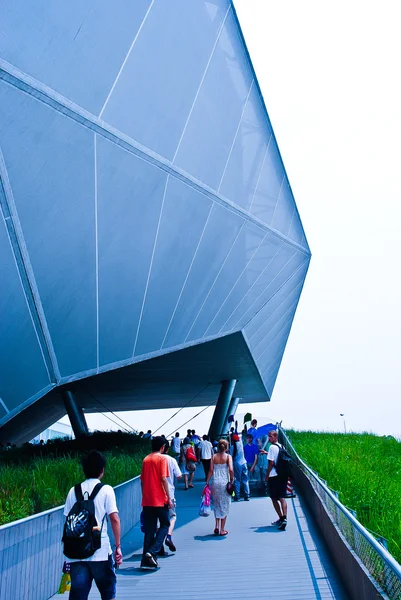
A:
x: 381, y: 565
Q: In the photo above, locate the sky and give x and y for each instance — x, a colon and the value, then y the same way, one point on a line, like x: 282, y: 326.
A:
x: 329, y: 74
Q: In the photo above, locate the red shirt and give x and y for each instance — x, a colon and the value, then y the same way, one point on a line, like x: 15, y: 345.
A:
x: 154, y: 468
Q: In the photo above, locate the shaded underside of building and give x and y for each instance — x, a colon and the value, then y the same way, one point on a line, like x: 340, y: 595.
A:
x: 150, y: 244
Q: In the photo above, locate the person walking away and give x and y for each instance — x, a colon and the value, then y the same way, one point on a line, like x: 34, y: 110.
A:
x: 174, y: 472
x: 176, y: 444
x: 156, y: 501
x: 206, y: 450
x: 148, y: 435
x: 185, y: 465
x: 277, y: 484
x: 197, y: 443
x: 221, y: 469
x: 99, y: 566
x: 240, y: 468
x: 253, y: 428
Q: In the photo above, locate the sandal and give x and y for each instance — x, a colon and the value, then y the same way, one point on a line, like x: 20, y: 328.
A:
x: 190, y: 485
x: 216, y: 531
x: 224, y: 532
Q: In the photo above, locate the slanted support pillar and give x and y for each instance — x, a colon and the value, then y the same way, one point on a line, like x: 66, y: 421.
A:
x: 75, y: 414
x: 220, y: 412
x: 232, y: 409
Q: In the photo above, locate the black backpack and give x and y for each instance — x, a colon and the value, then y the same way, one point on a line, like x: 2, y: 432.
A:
x: 284, y: 463
x: 81, y: 535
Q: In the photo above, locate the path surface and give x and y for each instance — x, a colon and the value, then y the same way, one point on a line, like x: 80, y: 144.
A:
x: 254, y: 561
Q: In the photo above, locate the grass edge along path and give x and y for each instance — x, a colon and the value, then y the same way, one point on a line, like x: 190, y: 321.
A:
x: 34, y: 479
x: 365, y: 469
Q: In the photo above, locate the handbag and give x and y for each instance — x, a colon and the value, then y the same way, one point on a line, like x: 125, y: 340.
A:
x: 190, y: 455
x: 230, y: 487
x: 190, y: 466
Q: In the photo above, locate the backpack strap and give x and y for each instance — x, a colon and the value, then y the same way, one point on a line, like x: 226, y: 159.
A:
x: 95, y: 491
x: 78, y: 492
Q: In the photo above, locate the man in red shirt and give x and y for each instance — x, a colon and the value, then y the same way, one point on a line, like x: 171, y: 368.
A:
x: 156, y: 502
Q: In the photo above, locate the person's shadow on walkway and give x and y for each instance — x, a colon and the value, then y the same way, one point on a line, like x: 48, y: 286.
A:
x: 209, y: 537
x: 266, y: 529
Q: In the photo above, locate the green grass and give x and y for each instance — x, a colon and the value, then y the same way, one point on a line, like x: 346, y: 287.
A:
x: 366, y: 471
x: 34, y: 479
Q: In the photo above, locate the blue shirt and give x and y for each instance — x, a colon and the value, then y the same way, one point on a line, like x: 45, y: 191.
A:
x: 250, y: 453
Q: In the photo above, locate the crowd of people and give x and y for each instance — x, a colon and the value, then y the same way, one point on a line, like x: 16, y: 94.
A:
x: 227, y: 465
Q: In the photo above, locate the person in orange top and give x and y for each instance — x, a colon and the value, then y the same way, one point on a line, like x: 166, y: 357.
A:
x: 156, y: 502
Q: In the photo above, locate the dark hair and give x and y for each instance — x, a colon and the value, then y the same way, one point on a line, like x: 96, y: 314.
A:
x: 250, y: 436
x: 193, y: 431
x: 222, y: 446
x: 177, y: 434
x: 205, y: 437
x: 157, y: 443
x: 166, y: 446
x: 93, y: 464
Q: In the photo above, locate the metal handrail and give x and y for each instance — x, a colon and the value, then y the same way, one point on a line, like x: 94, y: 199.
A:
x: 383, y: 553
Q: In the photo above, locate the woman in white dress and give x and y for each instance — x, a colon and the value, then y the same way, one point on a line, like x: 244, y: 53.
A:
x: 221, y: 469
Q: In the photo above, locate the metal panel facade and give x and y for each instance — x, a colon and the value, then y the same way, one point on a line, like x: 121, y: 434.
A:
x: 143, y: 188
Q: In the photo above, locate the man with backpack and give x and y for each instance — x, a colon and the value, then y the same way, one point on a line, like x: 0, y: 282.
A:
x: 86, y: 542
x: 276, y: 476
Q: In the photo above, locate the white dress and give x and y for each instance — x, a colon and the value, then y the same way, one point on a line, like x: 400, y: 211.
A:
x: 221, y: 499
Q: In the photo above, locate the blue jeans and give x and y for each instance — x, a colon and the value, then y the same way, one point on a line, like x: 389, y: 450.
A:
x: 84, y: 572
x: 153, y: 541
x: 241, y: 477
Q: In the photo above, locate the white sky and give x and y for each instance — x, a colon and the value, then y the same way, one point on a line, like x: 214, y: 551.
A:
x: 330, y: 76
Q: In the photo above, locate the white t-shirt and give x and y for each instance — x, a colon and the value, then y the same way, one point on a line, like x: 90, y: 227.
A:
x: 206, y: 449
x: 273, y: 455
x: 175, y: 471
x: 177, y: 445
x: 105, y: 503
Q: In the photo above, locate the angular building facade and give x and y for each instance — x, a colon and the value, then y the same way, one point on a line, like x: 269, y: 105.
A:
x: 150, y: 244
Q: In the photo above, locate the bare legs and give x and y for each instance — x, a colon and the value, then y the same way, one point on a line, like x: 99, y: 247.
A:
x: 220, y: 526
x: 223, y: 530
x: 186, y: 482
x: 191, y: 478
x: 280, y: 506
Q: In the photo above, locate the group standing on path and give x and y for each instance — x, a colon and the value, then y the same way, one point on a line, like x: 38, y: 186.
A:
x: 86, y: 543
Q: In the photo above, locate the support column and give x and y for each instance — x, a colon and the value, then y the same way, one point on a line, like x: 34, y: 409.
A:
x: 75, y: 414
x: 232, y: 409
x: 220, y: 412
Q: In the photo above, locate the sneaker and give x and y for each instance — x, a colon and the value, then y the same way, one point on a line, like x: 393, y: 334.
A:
x: 236, y: 499
x: 149, y: 561
x: 277, y: 522
x: 170, y: 545
x: 282, y: 525
x: 246, y: 499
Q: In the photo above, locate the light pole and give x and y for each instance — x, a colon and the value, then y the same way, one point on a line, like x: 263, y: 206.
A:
x: 343, y: 416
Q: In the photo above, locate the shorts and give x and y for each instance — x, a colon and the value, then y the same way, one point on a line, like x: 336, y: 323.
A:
x: 172, y: 511
x: 84, y: 572
x: 277, y: 487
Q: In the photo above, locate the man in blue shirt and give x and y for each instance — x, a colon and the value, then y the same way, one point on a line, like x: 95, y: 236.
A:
x: 251, y: 452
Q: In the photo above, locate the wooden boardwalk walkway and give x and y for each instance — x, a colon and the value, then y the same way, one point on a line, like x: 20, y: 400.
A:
x: 254, y: 561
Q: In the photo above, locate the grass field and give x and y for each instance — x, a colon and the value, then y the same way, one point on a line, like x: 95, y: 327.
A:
x: 31, y: 483
x: 366, y: 471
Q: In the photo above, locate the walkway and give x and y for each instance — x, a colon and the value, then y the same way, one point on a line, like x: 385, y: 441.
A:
x: 254, y: 560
